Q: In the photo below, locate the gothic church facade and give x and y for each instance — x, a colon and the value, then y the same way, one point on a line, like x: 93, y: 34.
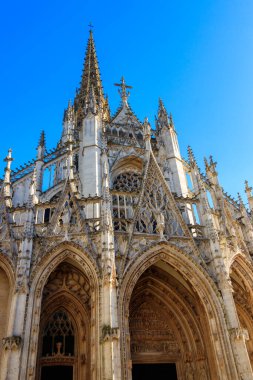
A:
x: 119, y: 259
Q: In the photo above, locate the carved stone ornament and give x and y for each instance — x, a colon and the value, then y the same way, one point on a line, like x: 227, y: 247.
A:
x: 238, y: 333
x: 12, y: 343
x: 110, y: 333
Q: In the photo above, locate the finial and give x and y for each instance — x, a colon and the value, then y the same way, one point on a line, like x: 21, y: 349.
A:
x: 41, y: 146
x: 42, y: 139
x: 147, y: 133
x: 247, y: 187
x: 206, y: 163
x: 240, y: 198
x: 106, y: 109
x: 210, y: 166
x: 171, y: 121
x: 7, y: 179
x: 69, y: 113
x: 8, y: 159
x: 122, y: 91
x: 163, y: 119
x: 90, y: 26
x: 191, y: 157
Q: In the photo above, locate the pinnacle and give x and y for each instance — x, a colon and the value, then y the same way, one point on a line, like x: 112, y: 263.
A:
x: 90, y: 77
x: 247, y: 187
x: 163, y: 119
x: 161, y: 108
x: 68, y: 113
x: 42, y: 139
x: 191, y: 156
x: 171, y: 121
x: 8, y: 157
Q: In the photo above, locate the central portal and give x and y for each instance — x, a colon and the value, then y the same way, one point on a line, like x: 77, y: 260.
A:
x: 57, y: 372
x: 163, y: 371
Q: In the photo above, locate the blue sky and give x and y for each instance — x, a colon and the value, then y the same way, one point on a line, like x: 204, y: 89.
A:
x: 196, y: 55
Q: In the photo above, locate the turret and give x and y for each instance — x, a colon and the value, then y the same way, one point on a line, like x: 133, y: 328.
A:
x: 167, y: 138
x: 68, y: 123
x: 147, y: 134
x: 41, y: 146
x: 7, y: 179
x: 248, y: 191
x: 39, y: 163
x: 170, y: 158
x: 211, y: 172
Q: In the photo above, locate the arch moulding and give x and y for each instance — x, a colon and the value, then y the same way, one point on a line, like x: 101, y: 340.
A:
x: 201, y: 284
x: 7, y: 267
x: 82, y: 261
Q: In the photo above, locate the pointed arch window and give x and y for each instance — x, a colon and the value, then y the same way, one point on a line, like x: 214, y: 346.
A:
x: 58, y: 336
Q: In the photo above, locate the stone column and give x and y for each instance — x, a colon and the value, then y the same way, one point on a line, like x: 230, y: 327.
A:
x: 238, y: 336
x: 12, y: 344
x: 110, y: 331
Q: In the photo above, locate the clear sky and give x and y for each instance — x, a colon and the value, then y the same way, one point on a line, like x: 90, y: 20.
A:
x: 196, y: 55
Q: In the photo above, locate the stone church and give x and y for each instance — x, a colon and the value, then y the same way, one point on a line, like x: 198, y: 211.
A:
x: 119, y: 259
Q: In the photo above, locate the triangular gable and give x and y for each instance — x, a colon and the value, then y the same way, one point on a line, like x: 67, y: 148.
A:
x: 124, y: 115
x: 157, y: 212
x: 67, y: 216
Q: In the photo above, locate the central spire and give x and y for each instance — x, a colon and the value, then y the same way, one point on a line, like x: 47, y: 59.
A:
x: 91, y: 81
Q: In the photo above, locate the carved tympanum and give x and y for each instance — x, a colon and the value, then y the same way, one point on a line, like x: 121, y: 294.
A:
x: 150, y: 332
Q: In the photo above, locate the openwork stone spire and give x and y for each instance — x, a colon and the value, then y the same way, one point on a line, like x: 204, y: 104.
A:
x: 163, y: 119
x: 91, y: 80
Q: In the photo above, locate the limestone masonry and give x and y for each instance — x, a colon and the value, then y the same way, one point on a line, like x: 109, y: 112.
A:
x: 119, y: 259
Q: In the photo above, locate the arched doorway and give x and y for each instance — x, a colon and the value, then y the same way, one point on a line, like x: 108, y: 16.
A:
x: 179, y: 288
x: 166, y: 323
x: 64, y: 339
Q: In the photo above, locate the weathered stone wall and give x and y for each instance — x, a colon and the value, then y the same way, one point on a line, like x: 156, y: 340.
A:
x: 4, y: 303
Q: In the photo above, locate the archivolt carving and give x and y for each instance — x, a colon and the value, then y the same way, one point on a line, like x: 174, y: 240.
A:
x: 202, y: 285
x: 165, y: 324
x: 70, y: 250
x: 40, y: 275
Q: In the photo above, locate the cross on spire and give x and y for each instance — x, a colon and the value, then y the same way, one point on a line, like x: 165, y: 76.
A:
x: 90, y: 26
x: 122, y: 91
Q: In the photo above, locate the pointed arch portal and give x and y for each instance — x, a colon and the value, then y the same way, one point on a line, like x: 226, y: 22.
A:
x: 64, y: 339
x: 63, y: 317
x: 170, y: 315
x: 166, y: 327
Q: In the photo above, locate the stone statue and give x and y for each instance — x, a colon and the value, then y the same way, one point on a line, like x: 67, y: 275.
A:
x: 189, y: 375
